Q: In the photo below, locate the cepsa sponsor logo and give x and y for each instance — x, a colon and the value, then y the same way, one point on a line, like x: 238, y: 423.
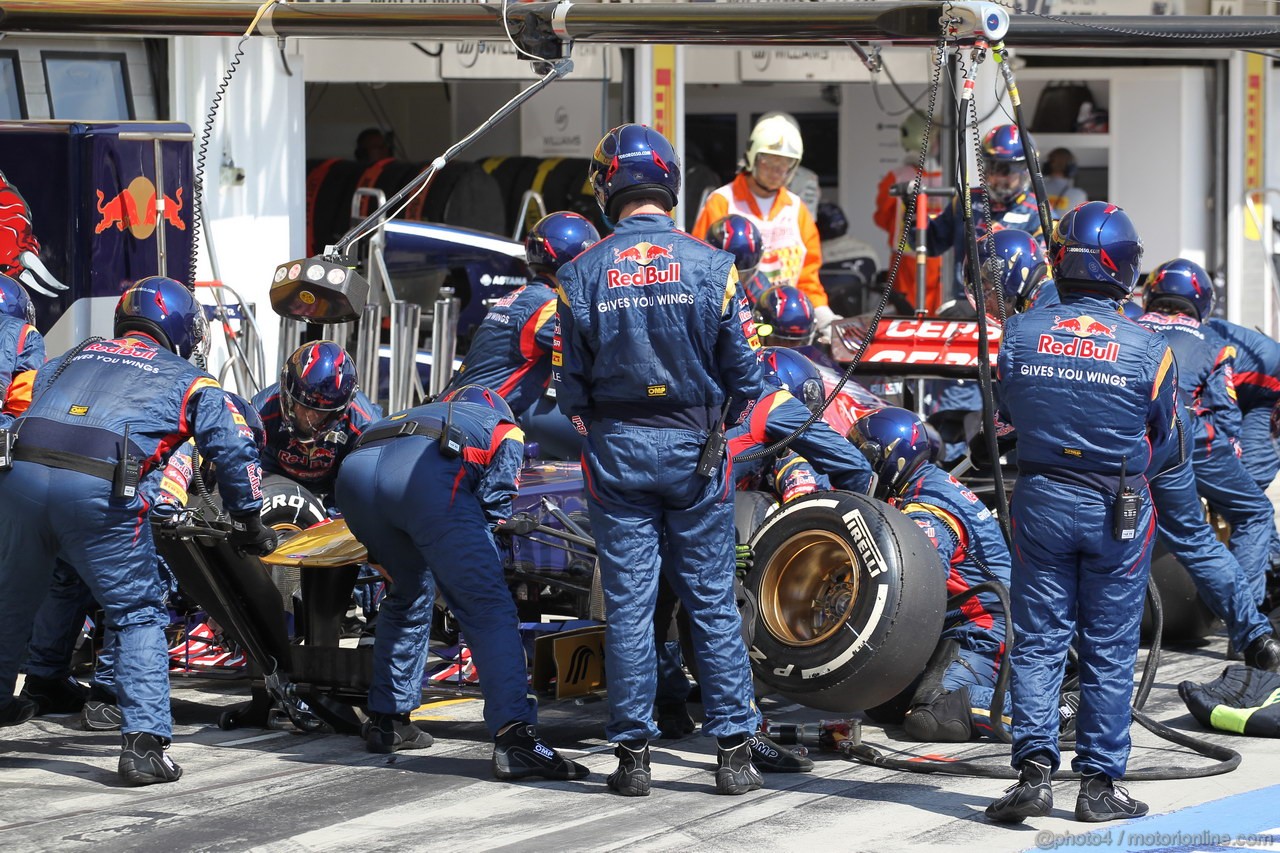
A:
x: 643, y: 255
x: 1082, y: 328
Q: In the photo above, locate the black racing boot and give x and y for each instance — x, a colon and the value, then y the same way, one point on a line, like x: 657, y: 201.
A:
x: 143, y: 760
x: 632, y: 778
x: 1032, y: 796
x: 55, y: 695
x: 1101, y: 799
x: 16, y: 711
x: 518, y: 753
x: 673, y: 720
x: 1263, y: 653
x: 768, y: 757
x: 946, y: 719
x: 735, y: 774
x: 101, y: 712
x: 387, y: 733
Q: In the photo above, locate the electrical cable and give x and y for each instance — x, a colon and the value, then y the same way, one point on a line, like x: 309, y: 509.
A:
x: 202, y: 150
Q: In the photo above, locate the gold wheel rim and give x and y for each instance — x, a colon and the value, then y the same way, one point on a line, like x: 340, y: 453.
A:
x: 809, y: 588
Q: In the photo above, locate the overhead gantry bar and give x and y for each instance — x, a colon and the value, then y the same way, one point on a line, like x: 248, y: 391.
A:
x: 533, y: 24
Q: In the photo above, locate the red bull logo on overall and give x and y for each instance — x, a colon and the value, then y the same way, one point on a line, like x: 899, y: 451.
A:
x: 135, y: 209
x: 643, y: 255
x: 1083, y: 328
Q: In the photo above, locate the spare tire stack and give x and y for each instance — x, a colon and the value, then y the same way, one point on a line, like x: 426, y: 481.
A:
x: 484, y: 195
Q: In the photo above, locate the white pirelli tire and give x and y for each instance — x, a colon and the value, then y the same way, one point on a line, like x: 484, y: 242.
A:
x: 850, y: 601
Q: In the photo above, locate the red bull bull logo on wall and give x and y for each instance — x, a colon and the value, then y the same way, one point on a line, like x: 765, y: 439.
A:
x: 1083, y: 328
x: 643, y: 255
x: 135, y: 209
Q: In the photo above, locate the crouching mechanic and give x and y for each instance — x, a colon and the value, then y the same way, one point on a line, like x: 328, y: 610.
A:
x: 511, y: 351
x: 793, y: 391
x: 102, y: 419
x: 1092, y: 397
x: 313, y: 416
x: 421, y: 490
x: 60, y: 620
x: 954, y: 698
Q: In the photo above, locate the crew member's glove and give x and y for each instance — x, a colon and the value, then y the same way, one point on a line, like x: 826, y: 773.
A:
x: 519, y: 524
x: 251, y: 536
x: 823, y: 317
x: 744, y: 558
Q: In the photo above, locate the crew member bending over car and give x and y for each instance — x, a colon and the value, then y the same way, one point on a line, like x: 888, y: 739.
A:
x: 421, y: 490
x: 511, y: 351
x: 953, y: 701
x: 102, y: 419
x: 793, y: 391
x: 1179, y: 295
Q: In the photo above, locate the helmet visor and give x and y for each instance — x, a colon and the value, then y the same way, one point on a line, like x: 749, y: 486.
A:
x: 306, y: 421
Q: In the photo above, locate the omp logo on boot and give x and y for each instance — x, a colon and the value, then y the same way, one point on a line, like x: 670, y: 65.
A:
x: 579, y: 664
x: 643, y: 255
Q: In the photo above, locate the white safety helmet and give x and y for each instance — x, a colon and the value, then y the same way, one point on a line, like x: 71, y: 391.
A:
x: 775, y: 134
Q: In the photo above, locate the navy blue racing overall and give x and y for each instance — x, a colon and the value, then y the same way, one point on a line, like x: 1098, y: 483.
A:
x: 655, y: 337
x: 57, y: 501
x: 1091, y: 395
x: 425, y: 516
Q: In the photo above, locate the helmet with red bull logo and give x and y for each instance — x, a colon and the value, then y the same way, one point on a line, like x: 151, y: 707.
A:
x: 14, y: 301
x: 740, y: 237
x: 896, y: 444
x: 1017, y: 262
x: 317, y: 384
x: 480, y: 396
x: 1183, y: 284
x: 1095, y: 245
x: 789, y: 315
x: 557, y: 239
x: 165, y: 310
x: 792, y: 371
x: 1004, y: 158
x: 633, y: 161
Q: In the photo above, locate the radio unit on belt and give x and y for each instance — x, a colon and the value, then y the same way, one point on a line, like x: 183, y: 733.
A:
x: 6, y: 449
x: 713, y: 450
x: 1128, y: 505
x: 125, y: 482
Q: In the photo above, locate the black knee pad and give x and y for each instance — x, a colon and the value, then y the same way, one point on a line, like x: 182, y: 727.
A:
x: 944, y: 720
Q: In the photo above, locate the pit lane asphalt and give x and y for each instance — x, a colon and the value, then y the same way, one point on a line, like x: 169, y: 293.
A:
x: 280, y: 791
x: 251, y: 789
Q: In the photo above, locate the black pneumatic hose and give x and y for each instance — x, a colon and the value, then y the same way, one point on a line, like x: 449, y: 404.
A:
x: 1226, y: 759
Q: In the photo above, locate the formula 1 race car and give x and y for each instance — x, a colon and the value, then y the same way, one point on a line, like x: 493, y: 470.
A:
x: 840, y: 591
